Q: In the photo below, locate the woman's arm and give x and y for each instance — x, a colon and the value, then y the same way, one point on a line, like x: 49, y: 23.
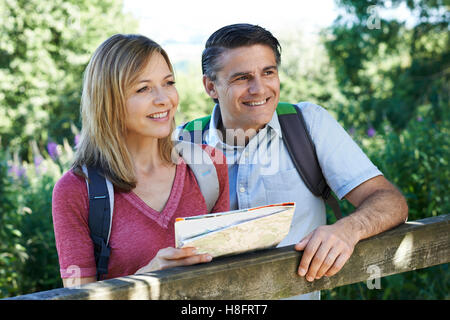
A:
x: 70, y: 222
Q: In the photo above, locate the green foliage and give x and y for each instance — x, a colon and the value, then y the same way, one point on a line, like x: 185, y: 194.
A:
x: 40, y: 270
x: 28, y: 259
x: 416, y: 161
x: 194, y: 102
x: 388, y: 72
x: 423, y: 284
x: 306, y: 73
x: 12, y: 253
x: 44, y: 48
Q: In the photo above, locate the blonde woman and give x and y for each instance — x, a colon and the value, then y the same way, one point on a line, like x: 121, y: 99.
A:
x: 128, y: 105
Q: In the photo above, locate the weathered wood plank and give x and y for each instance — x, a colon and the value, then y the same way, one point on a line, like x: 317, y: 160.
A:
x: 271, y: 274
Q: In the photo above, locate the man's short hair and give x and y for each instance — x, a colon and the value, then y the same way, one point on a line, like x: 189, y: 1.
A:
x: 235, y: 36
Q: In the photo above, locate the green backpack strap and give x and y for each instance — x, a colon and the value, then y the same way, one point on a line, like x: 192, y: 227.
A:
x: 195, y: 130
x: 303, y: 153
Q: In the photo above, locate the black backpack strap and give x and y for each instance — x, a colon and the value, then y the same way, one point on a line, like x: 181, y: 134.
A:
x: 302, y: 151
x: 99, y: 219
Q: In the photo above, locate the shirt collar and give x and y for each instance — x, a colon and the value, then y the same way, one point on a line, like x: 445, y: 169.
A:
x: 275, y: 124
x: 213, y: 137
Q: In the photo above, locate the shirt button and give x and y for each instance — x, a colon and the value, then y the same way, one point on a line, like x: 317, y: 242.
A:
x: 242, y: 189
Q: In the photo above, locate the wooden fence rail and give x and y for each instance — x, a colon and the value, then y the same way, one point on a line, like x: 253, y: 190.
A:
x: 271, y: 274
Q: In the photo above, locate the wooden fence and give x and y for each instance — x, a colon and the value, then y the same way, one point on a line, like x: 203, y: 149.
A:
x: 272, y: 274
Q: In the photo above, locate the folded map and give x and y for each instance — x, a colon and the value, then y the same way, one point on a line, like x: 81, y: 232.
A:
x: 235, y: 231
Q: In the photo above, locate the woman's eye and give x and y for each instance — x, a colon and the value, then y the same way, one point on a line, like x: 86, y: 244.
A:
x: 143, y: 89
x: 170, y: 83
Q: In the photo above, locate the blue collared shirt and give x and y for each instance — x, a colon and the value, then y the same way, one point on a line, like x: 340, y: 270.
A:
x: 262, y: 172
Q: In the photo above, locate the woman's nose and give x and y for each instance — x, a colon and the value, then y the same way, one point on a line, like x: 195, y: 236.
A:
x: 161, y: 97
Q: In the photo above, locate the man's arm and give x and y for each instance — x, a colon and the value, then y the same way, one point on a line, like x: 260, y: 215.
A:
x: 379, y: 207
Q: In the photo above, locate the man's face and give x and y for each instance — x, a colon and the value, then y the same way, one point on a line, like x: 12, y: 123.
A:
x: 247, y: 87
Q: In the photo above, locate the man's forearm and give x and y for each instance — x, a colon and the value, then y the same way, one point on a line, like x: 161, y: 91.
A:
x: 381, y: 211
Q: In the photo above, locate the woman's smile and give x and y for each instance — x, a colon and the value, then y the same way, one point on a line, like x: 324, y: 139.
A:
x: 159, y: 116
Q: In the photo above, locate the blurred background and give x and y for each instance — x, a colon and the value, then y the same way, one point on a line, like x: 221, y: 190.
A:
x: 381, y: 68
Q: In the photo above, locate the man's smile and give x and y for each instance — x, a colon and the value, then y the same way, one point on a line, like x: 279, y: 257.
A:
x: 256, y: 103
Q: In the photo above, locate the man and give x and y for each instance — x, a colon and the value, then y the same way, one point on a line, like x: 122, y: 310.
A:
x: 240, y: 72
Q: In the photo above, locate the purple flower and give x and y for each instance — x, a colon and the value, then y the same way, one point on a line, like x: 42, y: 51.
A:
x: 371, y: 132
x: 351, y: 131
x: 52, y: 150
x: 77, y: 139
x: 17, y: 170
x: 419, y: 118
x: 38, y: 160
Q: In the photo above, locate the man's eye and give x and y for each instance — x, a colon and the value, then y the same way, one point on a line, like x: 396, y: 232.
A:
x: 242, y: 78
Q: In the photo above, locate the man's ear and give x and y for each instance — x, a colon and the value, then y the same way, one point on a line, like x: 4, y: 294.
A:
x: 210, y: 87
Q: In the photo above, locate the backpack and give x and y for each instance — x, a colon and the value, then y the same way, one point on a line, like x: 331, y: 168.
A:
x: 298, y: 143
x: 101, y: 198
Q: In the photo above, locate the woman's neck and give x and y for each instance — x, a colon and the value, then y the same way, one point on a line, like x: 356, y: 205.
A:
x: 145, y: 154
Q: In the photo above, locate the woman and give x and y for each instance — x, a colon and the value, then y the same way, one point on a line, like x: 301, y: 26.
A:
x: 127, y: 108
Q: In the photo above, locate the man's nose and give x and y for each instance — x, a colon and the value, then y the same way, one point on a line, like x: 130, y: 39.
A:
x: 256, y: 86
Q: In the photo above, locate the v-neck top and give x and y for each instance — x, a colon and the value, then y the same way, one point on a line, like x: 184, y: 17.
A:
x: 138, y: 231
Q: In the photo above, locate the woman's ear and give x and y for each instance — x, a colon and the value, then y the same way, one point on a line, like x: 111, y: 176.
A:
x: 210, y: 87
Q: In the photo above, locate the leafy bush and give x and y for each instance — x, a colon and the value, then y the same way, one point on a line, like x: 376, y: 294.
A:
x: 28, y: 258
x: 12, y: 253
x: 416, y: 161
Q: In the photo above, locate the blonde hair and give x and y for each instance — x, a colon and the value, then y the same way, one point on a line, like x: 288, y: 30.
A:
x: 114, y: 66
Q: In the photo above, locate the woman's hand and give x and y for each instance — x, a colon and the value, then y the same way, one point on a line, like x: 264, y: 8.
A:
x: 172, y: 257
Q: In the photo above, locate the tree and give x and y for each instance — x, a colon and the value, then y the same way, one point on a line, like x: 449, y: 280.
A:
x: 391, y: 71
x: 194, y: 102
x: 44, y: 48
x: 306, y: 73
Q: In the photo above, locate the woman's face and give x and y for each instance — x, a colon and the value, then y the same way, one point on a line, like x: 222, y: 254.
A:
x: 152, y: 101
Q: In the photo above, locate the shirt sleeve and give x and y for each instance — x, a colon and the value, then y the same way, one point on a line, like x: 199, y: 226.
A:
x: 343, y: 163
x: 219, y: 160
x: 70, y: 222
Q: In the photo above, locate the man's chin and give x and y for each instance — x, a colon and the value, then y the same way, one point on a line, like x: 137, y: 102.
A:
x: 256, y: 124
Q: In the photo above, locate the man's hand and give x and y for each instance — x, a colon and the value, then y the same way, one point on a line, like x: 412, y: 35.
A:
x: 379, y: 207
x: 326, y: 250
